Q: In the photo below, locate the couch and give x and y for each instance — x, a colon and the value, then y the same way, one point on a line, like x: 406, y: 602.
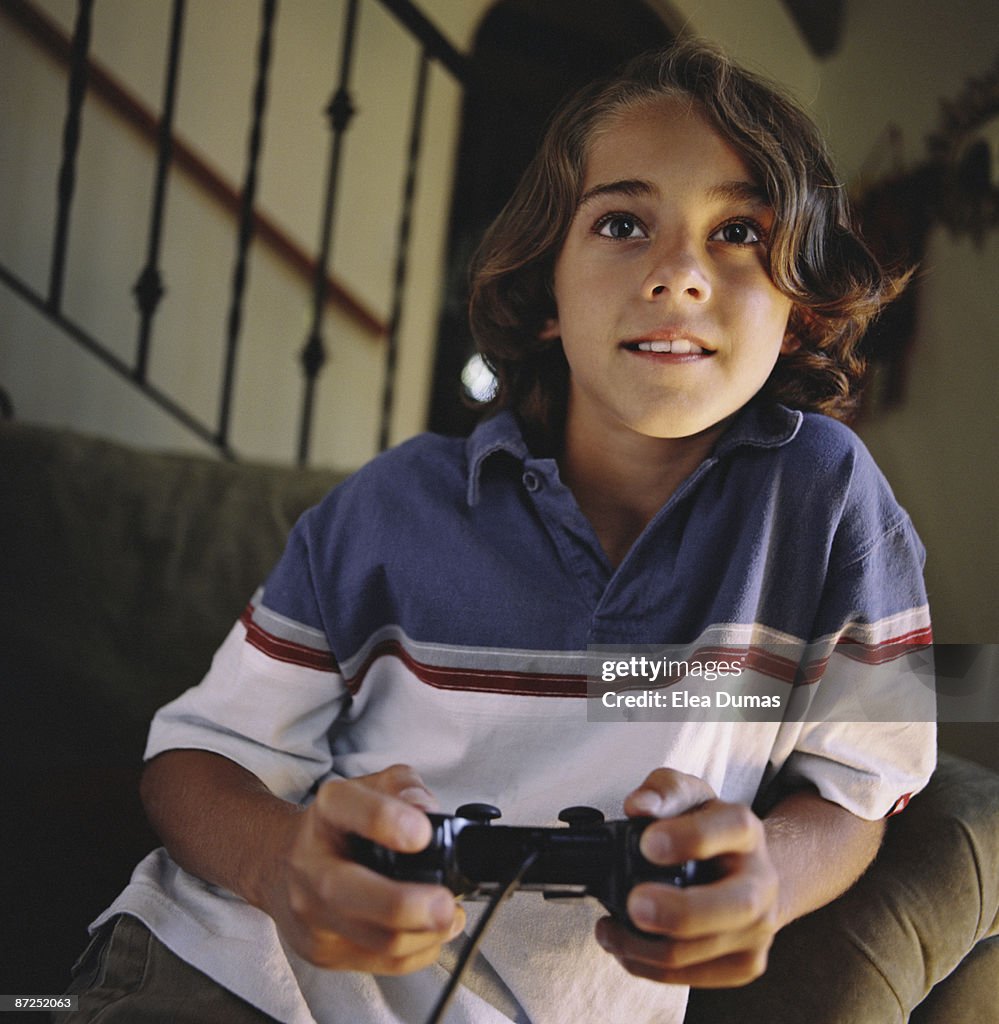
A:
x: 120, y: 571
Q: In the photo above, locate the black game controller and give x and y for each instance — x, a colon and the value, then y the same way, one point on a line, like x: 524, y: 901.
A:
x: 476, y: 860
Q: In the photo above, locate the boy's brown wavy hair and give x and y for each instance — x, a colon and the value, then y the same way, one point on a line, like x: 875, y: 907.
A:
x: 816, y: 257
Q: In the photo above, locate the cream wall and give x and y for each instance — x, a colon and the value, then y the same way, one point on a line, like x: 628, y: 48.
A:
x: 759, y: 34
x: 940, y: 448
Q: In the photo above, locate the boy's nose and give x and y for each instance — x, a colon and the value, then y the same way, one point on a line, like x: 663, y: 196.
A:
x: 677, y: 274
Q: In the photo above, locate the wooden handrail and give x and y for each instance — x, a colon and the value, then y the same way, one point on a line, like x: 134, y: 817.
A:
x: 56, y: 43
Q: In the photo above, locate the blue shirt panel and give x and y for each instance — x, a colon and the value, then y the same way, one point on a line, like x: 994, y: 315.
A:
x: 475, y: 542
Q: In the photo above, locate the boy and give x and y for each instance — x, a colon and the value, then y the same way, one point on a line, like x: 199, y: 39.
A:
x: 673, y: 282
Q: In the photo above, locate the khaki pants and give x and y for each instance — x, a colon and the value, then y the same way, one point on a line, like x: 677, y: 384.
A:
x: 127, y: 976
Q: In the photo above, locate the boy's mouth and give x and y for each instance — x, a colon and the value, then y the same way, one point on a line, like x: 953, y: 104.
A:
x: 677, y: 347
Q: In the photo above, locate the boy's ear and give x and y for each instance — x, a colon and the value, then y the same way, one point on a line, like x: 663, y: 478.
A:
x: 550, y: 330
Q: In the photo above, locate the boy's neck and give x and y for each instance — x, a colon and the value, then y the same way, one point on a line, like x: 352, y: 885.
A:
x: 621, y: 479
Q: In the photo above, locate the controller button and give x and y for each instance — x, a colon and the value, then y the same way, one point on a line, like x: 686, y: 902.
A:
x: 581, y: 817
x: 481, y: 813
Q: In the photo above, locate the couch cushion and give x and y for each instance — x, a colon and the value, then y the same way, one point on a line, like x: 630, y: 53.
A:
x: 122, y: 569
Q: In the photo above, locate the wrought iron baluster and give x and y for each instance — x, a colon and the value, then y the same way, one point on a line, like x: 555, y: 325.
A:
x: 149, y: 288
x: 402, y: 248
x: 340, y: 113
x: 267, y: 13
x: 79, y: 68
x: 425, y: 32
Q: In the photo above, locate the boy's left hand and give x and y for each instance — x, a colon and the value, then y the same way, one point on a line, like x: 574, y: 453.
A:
x: 710, y: 936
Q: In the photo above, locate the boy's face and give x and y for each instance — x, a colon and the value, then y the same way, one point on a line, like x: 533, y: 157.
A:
x: 668, y: 318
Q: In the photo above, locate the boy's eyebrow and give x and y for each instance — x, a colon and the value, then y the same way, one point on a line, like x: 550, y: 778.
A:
x: 635, y: 187
x: 732, y: 191
x: 740, y: 192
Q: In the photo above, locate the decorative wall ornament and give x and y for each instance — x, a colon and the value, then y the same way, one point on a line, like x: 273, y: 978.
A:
x: 956, y: 186
x: 964, y: 151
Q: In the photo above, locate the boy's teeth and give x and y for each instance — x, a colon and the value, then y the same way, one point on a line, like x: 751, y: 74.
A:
x: 680, y: 346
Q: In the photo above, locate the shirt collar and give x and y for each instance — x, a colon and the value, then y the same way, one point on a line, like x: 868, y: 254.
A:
x: 499, y: 433
x: 760, y: 424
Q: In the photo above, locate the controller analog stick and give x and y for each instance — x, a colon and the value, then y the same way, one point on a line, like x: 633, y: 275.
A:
x: 581, y: 817
x: 482, y: 814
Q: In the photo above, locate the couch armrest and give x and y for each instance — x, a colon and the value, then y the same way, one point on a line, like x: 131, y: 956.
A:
x: 874, y: 954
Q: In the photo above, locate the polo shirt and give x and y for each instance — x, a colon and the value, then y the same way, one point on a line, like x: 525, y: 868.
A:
x: 440, y: 608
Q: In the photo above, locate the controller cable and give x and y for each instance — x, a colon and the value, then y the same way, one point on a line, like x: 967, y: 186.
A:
x: 437, y: 1015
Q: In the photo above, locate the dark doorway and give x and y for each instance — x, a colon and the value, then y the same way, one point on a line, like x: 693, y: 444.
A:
x: 528, y: 55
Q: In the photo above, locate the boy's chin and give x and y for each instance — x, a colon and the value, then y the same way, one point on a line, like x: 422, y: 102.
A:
x: 690, y: 427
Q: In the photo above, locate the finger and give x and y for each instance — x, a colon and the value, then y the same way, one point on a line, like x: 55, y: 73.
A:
x: 666, y: 792
x: 713, y: 829
x: 375, y: 963
x: 355, y: 893
x: 407, y: 944
x: 726, y: 972
x: 343, y: 806
x: 390, y: 942
x: 742, y: 900
x: 678, y: 954
x: 402, y: 781
x: 371, y: 953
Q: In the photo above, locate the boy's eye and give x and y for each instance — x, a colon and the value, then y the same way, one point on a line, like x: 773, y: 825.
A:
x: 620, y: 225
x: 739, y: 232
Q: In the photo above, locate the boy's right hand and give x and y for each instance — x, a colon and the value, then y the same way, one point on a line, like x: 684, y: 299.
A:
x: 340, y: 915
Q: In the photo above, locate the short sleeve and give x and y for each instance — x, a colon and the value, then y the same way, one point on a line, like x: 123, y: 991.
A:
x: 863, y: 721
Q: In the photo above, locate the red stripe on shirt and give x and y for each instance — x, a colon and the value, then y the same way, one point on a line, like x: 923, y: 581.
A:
x: 285, y: 650
x: 533, y: 684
